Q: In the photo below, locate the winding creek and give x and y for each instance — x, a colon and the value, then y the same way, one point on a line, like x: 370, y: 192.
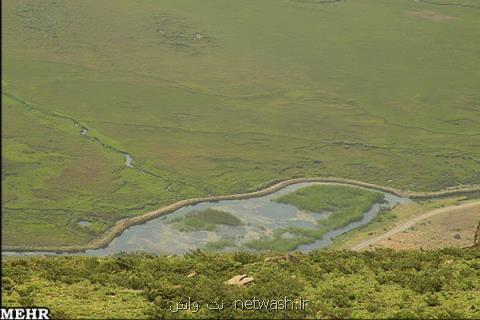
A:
x: 260, y: 216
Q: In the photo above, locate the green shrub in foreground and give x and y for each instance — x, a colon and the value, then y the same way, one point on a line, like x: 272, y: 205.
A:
x: 338, y: 284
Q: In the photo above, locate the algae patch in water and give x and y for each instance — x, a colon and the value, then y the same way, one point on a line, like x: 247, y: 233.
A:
x: 206, y: 219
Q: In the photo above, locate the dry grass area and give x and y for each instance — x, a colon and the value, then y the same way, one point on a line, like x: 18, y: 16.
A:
x: 455, y: 228
x: 430, y: 15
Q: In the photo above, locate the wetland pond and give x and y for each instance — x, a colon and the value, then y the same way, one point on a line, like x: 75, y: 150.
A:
x: 259, y: 218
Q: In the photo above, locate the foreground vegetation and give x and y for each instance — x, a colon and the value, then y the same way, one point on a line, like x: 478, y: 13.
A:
x: 206, y: 219
x: 343, y: 204
x: 210, y: 98
x: 338, y: 284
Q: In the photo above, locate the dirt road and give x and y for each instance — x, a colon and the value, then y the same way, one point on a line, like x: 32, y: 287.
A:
x: 409, y: 223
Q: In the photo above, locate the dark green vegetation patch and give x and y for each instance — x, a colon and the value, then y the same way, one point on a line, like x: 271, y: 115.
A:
x: 342, y: 284
x: 335, y: 199
x: 206, y: 219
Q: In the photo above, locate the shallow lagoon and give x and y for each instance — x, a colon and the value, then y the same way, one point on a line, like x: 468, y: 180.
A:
x: 260, y: 216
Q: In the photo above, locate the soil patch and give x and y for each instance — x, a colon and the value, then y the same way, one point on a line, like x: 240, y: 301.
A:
x: 453, y: 228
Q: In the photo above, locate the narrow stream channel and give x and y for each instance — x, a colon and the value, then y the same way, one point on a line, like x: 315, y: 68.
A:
x: 128, y: 158
x: 128, y: 161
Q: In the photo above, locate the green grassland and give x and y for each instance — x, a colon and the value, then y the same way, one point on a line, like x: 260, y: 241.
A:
x: 215, y: 97
x: 338, y: 284
x: 344, y: 205
x: 206, y: 219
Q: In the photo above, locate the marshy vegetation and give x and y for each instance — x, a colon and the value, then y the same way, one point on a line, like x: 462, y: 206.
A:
x: 342, y: 203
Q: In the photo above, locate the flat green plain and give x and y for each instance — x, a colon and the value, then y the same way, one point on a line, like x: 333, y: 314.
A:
x: 219, y: 97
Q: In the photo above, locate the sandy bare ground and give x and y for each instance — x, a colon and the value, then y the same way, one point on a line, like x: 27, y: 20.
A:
x: 470, y: 206
x: 455, y: 228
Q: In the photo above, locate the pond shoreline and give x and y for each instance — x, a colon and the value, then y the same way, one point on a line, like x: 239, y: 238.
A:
x: 120, y: 226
